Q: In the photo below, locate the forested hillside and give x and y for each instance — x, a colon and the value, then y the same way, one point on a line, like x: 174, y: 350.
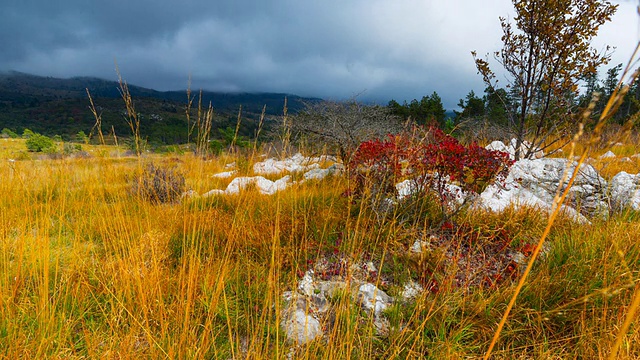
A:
x: 55, y: 106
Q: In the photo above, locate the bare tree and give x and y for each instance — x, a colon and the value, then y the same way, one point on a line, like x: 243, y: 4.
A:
x: 344, y: 125
x: 545, y: 56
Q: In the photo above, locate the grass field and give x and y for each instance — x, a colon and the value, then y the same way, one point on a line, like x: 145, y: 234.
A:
x: 88, y: 270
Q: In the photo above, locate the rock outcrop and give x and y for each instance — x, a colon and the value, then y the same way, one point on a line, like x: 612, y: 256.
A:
x: 625, y: 191
x: 534, y: 183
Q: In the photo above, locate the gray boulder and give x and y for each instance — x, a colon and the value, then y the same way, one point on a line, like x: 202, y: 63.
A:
x: 301, y: 327
x: 625, y: 191
x: 534, y: 183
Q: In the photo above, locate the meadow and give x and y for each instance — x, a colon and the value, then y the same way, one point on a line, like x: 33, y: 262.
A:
x: 90, y: 270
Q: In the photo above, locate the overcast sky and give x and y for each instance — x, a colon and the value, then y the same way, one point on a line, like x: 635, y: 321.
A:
x: 381, y: 49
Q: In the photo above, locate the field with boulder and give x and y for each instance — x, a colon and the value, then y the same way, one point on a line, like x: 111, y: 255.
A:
x: 295, y: 254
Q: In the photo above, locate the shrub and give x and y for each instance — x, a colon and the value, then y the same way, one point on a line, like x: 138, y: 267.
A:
x: 82, y: 137
x: 216, y: 147
x: 27, y: 133
x: 69, y: 148
x: 432, y: 161
x: 158, y: 185
x: 136, y: 146
x: 40, y: 143
x: 8, y: 133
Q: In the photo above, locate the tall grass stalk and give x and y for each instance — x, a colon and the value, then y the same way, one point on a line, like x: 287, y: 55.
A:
x: 98, y: 116
x: 237, y: 130
x: 132, y: 117
x: 285, y: 136
x: 259, y: 130
x: 201, y: 125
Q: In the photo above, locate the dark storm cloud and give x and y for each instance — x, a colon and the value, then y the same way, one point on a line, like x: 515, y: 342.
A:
x: 400, y: 49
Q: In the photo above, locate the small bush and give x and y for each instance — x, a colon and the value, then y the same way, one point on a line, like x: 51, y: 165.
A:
x: 27, y: 133
x: 136, y: 147
x: 8, y: 133
x: 69, y: 148
x: 158, y: 185
x: 82, y: 137
x: 432, y: 161
x: 40, y: 143
x: 216, y: 147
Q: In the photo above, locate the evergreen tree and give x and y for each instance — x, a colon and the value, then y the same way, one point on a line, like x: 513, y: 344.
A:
x: 428, y: 111
x: 497, y: 103
x: 472, y: 107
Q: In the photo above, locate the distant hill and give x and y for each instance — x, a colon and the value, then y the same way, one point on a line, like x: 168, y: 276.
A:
x: 60, y: 106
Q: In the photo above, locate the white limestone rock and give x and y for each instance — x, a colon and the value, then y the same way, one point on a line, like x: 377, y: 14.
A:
x: 608, y: 155
x: 625, y: 191
x: 373, y: 299
x: 316, y: 174
x: 411, y: 291
x: 301, y: 327
x: 511, y: 149
x: 419, y: 246
x: 224, y: 175
x: 296, y: 163
x: 238, y: 184
x: 319, y: 174
x: 213, y: 192
x: 307, y: 285
x: 533, y: 183
x: 498, y: 145
x: 189, y: 194
x: 265, y: 186
x: 269, y: 187
x: 406, y: 188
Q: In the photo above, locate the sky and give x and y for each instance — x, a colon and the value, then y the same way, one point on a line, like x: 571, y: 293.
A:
x: 377, y: 50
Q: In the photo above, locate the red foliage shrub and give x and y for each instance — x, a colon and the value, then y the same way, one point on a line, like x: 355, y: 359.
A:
x: 432, y: 160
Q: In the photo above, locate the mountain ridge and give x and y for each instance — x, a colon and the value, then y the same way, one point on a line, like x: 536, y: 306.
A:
x: 76, y: 87
x: 57, y: 106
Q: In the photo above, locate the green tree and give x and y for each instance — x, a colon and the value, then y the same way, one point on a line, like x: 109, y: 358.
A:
x: 545, y: 53
x: 472, y: 107
x: 592, y: 85
x: 27, y: 133
x: 8, y: 133
x: 429, y: 110
x: 497, y: 105
x: 435, y: 110
x: 40, y: 143
x: 401, y: 111
x: 81, y: 136
x: 631, y: 104
x: 611, y: 84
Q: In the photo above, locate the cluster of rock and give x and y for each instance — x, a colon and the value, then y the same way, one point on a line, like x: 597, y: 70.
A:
x: 308, y: 311
x: 535, y: 182
x: 530, y: 183
x: 295, y: 163
x: 311, y: 166
x: 525, y: 147
x: 265, y: 186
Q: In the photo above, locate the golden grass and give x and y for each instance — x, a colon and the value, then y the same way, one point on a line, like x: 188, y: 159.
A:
x: 89, y: 271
